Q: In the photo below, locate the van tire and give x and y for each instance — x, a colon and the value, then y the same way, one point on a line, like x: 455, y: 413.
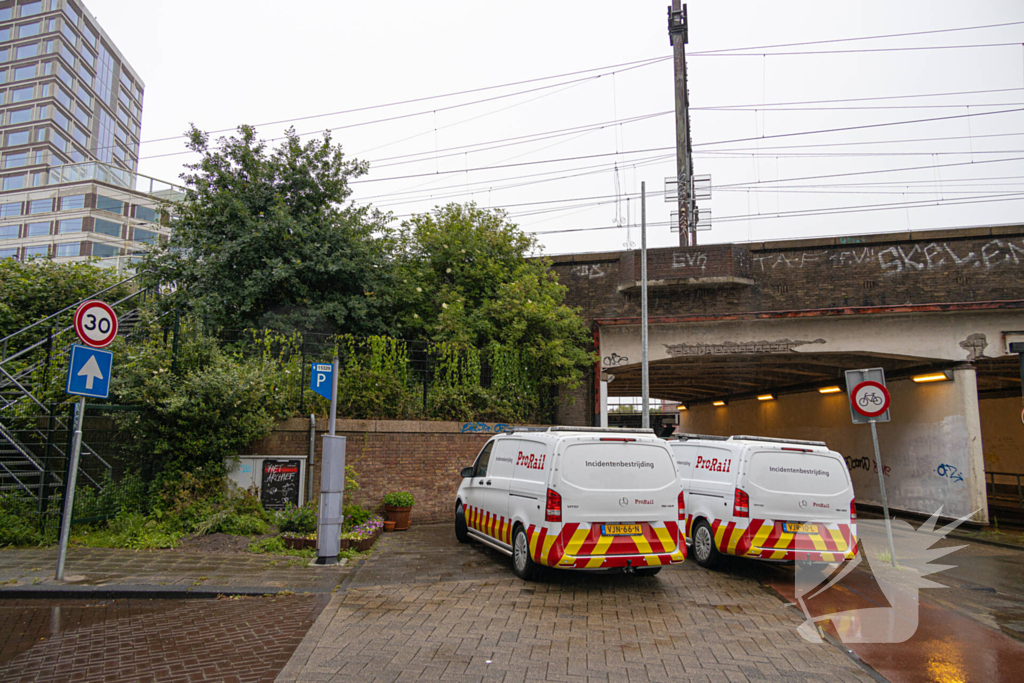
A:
x: 522, y: 564
x: 461, y: 530
x: 704, y: 550
x: 647, y: 571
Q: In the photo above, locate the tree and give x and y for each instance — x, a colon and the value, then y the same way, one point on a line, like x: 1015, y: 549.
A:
x: 470, y: 276
x: 33, y: 290
x: 266, y: 239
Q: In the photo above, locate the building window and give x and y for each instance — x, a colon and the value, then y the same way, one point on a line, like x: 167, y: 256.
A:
x: 6, y: 13
x: 37, y: 251
x: 39, y: 179
x: 20, y: 137
x: 9, y: 232
x: 107, y: 228
x: 64, y: 98
x: 105, y: 138
x: 26, y: 51
x: 30, y: 8
x: 61, y: 120
x: 21, y: 116
x: 88, y: 34
x: 87, y: 55
x: 70, y: 249
x: 70, y: 13
x: 22, y: 94
x: 5, y: 34
x: 83, y: 95
x: 11, y: 209
x: 108, y: 204
x: 80, y: 136
x: 59, y: 141
x: 40, y: 206
x: 26, y: 30
x: 68, y: 55
x: 23, y: 73
x: 69, y: 225
x: 76, y: 156
x: 8, y: 253
x: 82, y: 114
x: 76, y: 201
x: 144, y: 213
x: 103, y: 250
x: 16, y: 160
x: 63, y: 75
x: 3, y: 55
x: 37, y: 229
x: 14, y: 182
x: 145, y: 236
x: 69, y: 35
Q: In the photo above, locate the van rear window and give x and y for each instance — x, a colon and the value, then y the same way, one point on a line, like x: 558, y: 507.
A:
x: 609, y: 466
x: 790, y: 472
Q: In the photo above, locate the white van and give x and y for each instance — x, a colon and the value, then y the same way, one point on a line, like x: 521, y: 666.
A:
x: 574, y: 498
x: 772, y: 499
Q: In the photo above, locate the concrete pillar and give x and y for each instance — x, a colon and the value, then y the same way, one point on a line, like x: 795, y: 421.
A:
x: 603, y: 408
x: 966, y: 382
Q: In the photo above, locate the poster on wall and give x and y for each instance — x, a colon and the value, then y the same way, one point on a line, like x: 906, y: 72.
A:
x: 280, y: 484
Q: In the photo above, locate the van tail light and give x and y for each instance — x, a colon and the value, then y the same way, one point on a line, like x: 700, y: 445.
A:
x: 682, y: 507
x: 741, y: 504
x: 853, y: 510
x: 553, y: 508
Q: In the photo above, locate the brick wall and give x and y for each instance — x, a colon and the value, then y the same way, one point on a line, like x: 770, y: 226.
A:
x: 937, y: 266
x: 421, y: 457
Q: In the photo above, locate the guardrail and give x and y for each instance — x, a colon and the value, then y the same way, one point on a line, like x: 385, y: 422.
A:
x: 1005, y: 489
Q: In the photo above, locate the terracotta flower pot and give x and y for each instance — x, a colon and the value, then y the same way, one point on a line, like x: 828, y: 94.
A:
x: 400, y: 516
x: 389, y: 525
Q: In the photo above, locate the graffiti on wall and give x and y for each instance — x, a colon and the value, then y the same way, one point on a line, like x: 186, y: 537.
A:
x: 484, y: 428
x: 866, y: 464
x: 731, y: 347
x: 949, y: 472
x: 614, y: 360
x: 589, y: 272
x: 689, y: 260
x: 903, y: 258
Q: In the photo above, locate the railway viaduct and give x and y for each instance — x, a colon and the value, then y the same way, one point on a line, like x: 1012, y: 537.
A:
x: 785, y: 319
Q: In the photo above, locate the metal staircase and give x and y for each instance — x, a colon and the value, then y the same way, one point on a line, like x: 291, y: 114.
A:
x: 34, y: 407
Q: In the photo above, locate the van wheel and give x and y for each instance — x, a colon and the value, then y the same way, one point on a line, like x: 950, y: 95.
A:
x: 647, y: 571
x: 522, y: 564
x: 461, y: 532
x: 704, y: 550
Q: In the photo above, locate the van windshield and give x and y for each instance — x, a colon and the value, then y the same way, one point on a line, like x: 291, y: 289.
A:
x: 608, y: 466
x: 792, y: 472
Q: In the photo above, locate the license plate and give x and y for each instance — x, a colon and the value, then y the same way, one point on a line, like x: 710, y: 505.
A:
x: 622, y: 529
x: 796, y: 528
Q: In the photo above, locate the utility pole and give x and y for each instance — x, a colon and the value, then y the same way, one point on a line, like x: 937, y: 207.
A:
x: 677, y: 33
x: 645, y: 386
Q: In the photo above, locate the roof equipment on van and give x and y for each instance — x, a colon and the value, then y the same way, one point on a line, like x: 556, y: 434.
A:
x: 613, y: 430
x: 709, y: 437
x: 776, y: 440
x: 616, y: 438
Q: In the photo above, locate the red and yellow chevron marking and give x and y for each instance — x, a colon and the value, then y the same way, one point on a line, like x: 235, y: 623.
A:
x: 491, y: 525
x: 759, y: 538
x: 581, y: 546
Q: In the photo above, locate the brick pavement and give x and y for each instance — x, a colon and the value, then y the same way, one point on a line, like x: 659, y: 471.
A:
x: 425, y: 608
x: 153, y: 570
x: 229, y: 639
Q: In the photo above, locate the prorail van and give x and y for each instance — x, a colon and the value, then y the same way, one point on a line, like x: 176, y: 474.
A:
x: 765, y: 498
x: 575, y: 498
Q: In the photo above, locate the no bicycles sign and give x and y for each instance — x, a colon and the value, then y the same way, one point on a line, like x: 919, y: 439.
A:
x: 870, y: 399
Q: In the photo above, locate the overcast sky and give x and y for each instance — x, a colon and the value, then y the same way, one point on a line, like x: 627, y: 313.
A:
x: 566, y: 165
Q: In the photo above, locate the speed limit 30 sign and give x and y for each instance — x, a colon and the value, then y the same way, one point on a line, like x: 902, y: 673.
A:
x: 96, y: 324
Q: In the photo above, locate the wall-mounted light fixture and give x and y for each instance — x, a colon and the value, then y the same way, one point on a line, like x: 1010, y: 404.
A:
x: 766, y: 397
x: 934, y: 377
x: 830, y: 390
x: 681, y: 407
x: 718, y: 403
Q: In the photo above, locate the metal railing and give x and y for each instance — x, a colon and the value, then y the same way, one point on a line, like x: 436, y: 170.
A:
x: 1005, y: 490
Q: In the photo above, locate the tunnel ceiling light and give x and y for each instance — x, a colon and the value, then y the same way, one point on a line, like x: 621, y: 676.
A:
x: 718, y: 403
x: 681, y: 407
x: 934, y: 377
x: 766, y: 397
x: 830, y: 390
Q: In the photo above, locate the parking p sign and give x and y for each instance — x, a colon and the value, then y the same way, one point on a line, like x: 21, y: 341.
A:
x: 321, y: 379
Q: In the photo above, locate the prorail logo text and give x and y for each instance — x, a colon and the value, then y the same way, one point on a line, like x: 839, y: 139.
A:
x: 531, y: 461
x: 714, y: 464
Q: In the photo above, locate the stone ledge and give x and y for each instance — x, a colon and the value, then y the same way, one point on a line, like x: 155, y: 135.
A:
x: 688, y: 282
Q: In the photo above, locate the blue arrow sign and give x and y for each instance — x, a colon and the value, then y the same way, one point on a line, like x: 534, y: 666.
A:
x: 89, y: 372
x: 321, y: 379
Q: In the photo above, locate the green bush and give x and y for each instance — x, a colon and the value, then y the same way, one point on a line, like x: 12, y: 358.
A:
x: 399, y: 499
x: 138, y: 532
x: 355, y: 515
x: 18, y: 525
x: 298, y: 519
x: 275, y: 546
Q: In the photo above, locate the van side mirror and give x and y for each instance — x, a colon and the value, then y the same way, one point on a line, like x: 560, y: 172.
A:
x: 467, y: 472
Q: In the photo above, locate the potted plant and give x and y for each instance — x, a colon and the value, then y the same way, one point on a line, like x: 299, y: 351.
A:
x: 397, y: 507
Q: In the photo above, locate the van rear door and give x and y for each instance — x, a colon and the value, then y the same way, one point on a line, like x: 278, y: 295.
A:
x: 608, y: 485
x: 798, y: 485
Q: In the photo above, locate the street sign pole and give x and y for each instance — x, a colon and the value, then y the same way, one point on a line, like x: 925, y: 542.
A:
x: 645, y: 382
x: 69, y: 496
x: 881, y: 487
x: 334, y: 396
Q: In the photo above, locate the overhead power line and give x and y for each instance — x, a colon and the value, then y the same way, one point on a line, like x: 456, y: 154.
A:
x: 914, y: 48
